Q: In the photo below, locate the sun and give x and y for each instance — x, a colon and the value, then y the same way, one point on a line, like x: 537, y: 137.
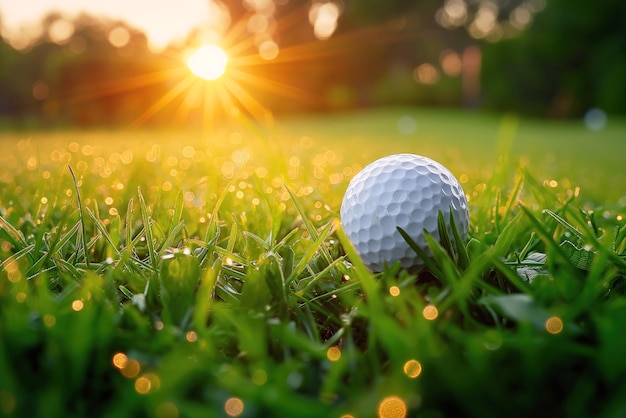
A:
x: 208, y: 62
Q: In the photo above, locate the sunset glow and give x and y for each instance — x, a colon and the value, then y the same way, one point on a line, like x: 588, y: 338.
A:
x: 184, y: 77
x: 208, y: 62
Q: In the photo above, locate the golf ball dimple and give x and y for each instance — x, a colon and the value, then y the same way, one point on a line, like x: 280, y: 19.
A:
x: 406, y: 191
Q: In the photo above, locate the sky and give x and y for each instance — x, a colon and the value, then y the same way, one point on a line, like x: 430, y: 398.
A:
x: 163, y: 21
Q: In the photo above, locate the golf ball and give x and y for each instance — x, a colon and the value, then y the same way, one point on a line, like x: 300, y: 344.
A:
x: 406, y: 191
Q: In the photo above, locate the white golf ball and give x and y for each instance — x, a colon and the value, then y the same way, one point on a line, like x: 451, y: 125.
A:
x: 405, y: 191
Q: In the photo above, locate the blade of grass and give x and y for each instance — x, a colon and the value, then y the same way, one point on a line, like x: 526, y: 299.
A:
x: 443, y: 259
x: 171, y: 237
x: 103, y: 231
x: 513, y: 196
x: 129, y: 224
x: 315, y: 277
x: 620, y: 240
x: 571, y: 228
x: 286, y: 238
x: 444, y: 237
x: 145, y: 216
x: 13, y: 258
x: 178, y: 211
x: 232, y: 238
x: 316, y: 246
x: 212, y: 228
x: 428, y: 261
x: 59, y: 241
x: 550, y: 242
x: 461, y: 250
x: 481, y: 264
x: 63, y: 265
x: 81, y: 215
x: 16, y: 237
x: 205, y: 296
x: 308, y: 225
x: 262, y: 243
x: 367, y: 280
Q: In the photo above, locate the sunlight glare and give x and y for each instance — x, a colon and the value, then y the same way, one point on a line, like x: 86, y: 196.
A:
x: 208, y: 62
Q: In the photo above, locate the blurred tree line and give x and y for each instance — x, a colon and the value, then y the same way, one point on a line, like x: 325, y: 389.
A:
x: 554, y: 58
x: 82, y: 79
x: 572, y: 59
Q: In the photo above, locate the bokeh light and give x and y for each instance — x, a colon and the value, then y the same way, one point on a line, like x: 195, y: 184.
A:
x: 40, y: 90
x: 119, y: 37
x: 60, y: 31
x: 259, y: 377
x: 120, y: 360
x: 451, y: 62
x: 8, y: 402
x: 430, y: 312
x: 426, y: 74
x: 323, y: 17
x: 554, y: 325
x: 412, y: 368
x: 128, y: 367
x: 167, y: 410
x: 49, y: 320
x: 333, y: 353
x: 392, y: 407
x: 520, y: 17
x: 407, y: 125
x: 143, y: 385
x: 595, y: 119
x: 268, y: 50
x: 233, y: 407
x: 394, y: 291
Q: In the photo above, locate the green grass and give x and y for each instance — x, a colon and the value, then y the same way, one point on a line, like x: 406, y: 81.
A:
x: 198, y: 273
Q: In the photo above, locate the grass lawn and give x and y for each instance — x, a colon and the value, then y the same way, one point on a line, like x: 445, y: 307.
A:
x: 171, y: 273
